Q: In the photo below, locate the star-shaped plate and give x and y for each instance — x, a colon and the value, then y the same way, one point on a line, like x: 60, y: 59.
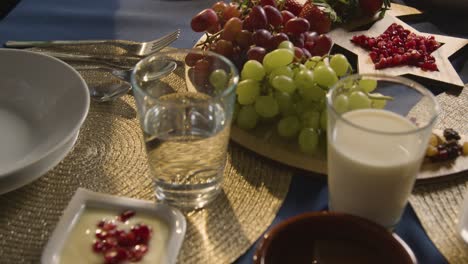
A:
x: 447, y: 76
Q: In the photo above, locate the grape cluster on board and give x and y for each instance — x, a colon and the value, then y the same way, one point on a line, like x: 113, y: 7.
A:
x: 290, y: 96
x: 281, y: 50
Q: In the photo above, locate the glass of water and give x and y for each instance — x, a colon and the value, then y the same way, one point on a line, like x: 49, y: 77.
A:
x: 185, y: 101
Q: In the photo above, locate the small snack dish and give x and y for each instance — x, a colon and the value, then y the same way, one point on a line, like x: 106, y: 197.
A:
x: 100, y: 228
x: 330, y: 237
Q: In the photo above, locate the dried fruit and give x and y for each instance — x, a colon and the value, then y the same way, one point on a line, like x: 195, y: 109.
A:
x: 431, y: 151
x: 434, y: 140
x: 450, y: 134
x: 448, y: 149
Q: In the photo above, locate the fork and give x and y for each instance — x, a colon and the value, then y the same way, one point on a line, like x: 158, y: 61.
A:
x: 132, y: 47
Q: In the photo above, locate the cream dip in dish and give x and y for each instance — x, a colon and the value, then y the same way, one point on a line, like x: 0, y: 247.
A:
x: 95, y: 228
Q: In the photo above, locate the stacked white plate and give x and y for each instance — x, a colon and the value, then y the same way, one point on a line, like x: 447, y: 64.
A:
x: 43, y: 103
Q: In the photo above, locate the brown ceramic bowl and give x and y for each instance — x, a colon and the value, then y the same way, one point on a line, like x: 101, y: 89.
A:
x: 329, y: 237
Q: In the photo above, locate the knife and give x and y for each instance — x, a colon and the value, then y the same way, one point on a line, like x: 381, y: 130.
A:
x: 113, y: 61
x: 48, y: 43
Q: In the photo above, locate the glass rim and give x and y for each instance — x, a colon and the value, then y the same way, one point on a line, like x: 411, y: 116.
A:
x: 230, y: 89
x: 395, y: 79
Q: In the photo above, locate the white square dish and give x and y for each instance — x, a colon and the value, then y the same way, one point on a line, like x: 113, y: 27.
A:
x: 170, y: 222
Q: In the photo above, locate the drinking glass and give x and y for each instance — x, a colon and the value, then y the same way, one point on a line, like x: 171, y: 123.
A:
x: 185, y: 101
x: 375, y: 150
x: 463, y: 219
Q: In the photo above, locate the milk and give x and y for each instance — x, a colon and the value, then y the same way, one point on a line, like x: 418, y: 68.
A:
x: 372, y: 174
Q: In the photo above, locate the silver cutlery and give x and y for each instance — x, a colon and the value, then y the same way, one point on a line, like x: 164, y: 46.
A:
x: 132, y: 47
x: 123, y: 74
x: 111, y: 61
x: 113, y: 91
x: 109, y: 93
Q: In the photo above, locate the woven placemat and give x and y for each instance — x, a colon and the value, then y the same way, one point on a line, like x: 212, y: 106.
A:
x: 109, y: 157
x: 437, y: 203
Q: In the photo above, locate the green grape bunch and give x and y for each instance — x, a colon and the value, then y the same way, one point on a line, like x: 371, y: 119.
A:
x: 290, y: 95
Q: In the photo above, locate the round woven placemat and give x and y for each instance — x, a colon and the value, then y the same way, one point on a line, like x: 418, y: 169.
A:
x: 109, y: 157
x: 437, y: 203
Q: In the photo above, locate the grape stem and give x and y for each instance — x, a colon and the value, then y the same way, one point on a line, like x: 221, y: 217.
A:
x: 386, y: 6
x: 210, y: 38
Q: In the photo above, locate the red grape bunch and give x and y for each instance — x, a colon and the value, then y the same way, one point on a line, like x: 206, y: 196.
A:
x: 249, y: 30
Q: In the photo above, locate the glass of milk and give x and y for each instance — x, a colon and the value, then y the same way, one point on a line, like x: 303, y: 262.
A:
x: 378, y: 131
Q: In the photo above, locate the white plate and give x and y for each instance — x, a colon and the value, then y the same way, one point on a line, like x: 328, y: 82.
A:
x: 36, y: 170
x: 83, y: 199
x: 43, y: 103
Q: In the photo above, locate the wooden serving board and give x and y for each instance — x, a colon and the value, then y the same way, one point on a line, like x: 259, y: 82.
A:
x: 265, y: 143
x: 262, y: 141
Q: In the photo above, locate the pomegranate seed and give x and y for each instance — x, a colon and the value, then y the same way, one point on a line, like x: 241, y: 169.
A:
x: 108, y: 226
x: 101, y: 234
x: 127, y: 239
x: 115, y: 255
x: 98, y: 246
x: 105, y: 246
x: 381, y: 44
x: 138, y: 252
x: 397, y: 59
x: 141, y: 248
x: 111, y: 241
x: 101, y: 223
x: 142, y: 233
x: 126, y: 215
x: 373, y: 56
x: 415, y: 54
x: 422, y: 49
x: 411, y: 49
x: 429, y: 66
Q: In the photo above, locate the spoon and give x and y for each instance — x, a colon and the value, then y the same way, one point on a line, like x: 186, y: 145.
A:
x: 109, y: 92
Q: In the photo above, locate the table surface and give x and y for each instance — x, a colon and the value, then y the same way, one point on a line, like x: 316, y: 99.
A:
x: 142, y: 20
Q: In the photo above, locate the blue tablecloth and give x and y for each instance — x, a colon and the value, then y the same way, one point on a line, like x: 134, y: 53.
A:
x: 146, y: 19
